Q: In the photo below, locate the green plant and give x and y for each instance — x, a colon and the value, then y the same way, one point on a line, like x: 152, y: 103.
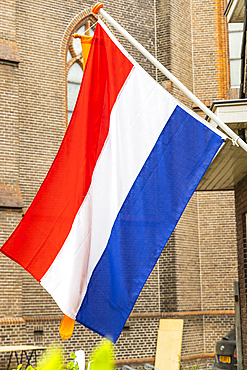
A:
x: 53, y: 363
x: 194, y: 367
x: 72, y: 365
x: 52, y: 359
x: 18, y: 367
x: 28, y: 368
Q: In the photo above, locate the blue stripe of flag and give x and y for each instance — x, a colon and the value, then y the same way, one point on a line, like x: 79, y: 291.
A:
x: 157, y: 199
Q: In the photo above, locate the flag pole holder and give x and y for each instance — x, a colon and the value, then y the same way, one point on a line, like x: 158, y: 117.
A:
x: 98, y: 9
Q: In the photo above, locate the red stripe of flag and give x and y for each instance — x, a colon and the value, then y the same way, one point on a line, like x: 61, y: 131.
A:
x: 40, y: 235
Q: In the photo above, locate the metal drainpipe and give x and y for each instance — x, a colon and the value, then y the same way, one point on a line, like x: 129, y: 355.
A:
x: 241, y: 90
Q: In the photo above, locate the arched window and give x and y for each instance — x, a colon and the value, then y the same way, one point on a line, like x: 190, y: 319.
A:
x: 74, y: 63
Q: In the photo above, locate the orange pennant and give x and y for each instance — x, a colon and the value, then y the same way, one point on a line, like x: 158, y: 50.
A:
x: 86, y: 42
x: 66, y: 327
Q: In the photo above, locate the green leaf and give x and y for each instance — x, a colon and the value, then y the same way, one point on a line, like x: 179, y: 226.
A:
x: 102, y: 356
x: 73, y: 355
x: 70, y: 365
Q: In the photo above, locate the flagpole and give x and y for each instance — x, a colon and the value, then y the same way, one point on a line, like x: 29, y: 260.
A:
x: 98, y: 9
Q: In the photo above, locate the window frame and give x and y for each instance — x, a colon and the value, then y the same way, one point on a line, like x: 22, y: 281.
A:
x: 232, y: 59
x: 88, y: 19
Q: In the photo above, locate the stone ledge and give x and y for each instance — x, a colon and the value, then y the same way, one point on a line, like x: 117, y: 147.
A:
x: 11, y: 321
x: 5, y: 320
x: 9, y: 51
x: 10, y: 196
x: 148, y: 360
x: 182, y: 314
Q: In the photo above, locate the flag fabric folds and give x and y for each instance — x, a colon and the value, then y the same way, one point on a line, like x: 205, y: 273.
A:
x: 130, y: 160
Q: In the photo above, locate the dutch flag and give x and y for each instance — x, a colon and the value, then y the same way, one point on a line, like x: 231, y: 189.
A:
x: 131, y: 158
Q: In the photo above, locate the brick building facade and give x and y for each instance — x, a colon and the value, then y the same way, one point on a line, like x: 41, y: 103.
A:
x: 194, y: 276
x: 241, y: 211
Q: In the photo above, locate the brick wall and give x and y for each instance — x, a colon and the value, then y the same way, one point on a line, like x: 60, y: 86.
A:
x: 149, y: 299
x: 11, y: 273
x: 241, y: 210
x: 188, y: 259
x: 8, y: 20
x: 199, y: 263
x: 174, y: 44
x: 163, y: 36
x: 168, y: 291
x: 138, y: 344
x: 181, y: 46
x: 9, y: 126
x: 10, y: 196
x: 210, y: 50
x: 193, y: 45
x: 218, y: 249
x: 9, y: 95
x: 36, y: 302
x: 33, y: 122
x: 213, y: 329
